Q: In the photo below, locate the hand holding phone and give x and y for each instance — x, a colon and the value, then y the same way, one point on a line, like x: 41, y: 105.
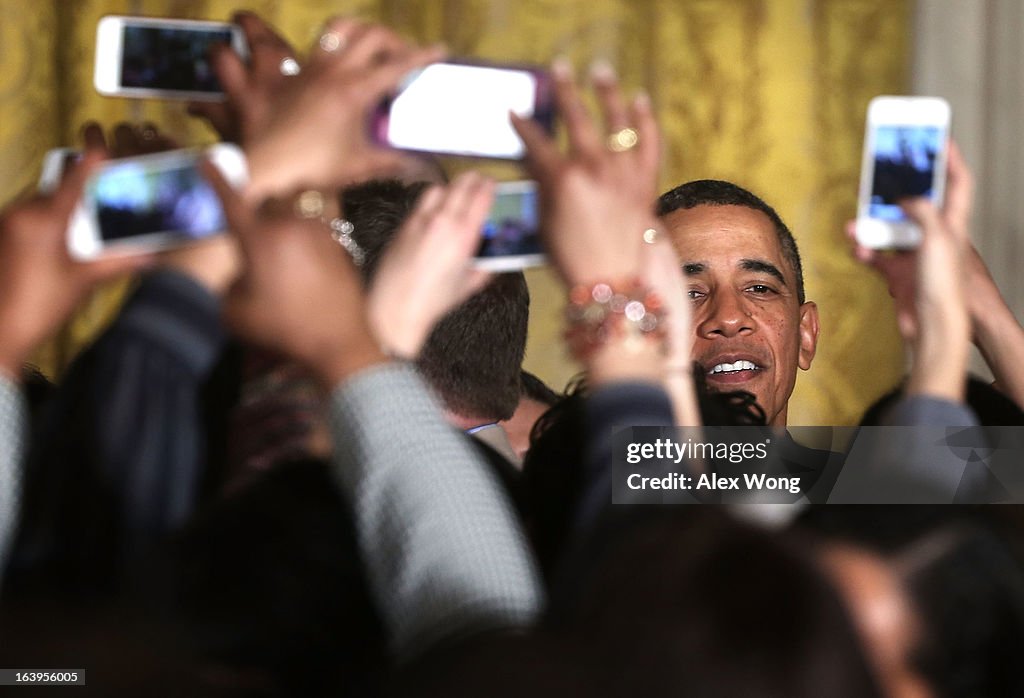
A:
x: 151, y: 202
x: 905, y: 150
x: 161, y: 58
x: 462, y: 108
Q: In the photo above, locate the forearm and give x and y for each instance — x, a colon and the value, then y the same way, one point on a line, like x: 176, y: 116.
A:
x: 442, y: 548
x: 1000, y: 339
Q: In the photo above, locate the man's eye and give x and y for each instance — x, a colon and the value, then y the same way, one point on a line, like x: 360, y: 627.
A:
x: 761, y: 289
x: 694, y: 294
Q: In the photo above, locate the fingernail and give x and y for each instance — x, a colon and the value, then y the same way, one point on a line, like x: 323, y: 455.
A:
x: 642, y: 100
x: 602, y: 71
x: 561, y: 68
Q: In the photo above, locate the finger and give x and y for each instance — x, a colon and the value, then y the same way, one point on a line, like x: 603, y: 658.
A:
x: 258, y: 31
x: 70, y: 190
x: 583, y: 136
x: 333, y: 41
x: 542, y: 156
x: 648, y: 147
x: 476, y: 279
x: 609, y: 95
x: 236, y: 211
x: 126, y: 140
x: 370, y: 43
x: 479, y: 205
x: 460, y: 193
x: 427, y: 207
x: 923, y: 212
x: 385, y: 78
x: 93, y: 137
x: 231, y: 72
x: 959, y: 191
x: 106, y: 268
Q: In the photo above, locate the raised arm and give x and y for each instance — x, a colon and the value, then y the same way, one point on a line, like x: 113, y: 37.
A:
x: 441, y: 547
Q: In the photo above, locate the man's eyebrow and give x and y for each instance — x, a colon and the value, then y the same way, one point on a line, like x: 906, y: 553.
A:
x: 763, y: 266
x: 694, y: 268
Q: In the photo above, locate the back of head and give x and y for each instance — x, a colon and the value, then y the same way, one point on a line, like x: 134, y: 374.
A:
x: 700, y: 605
x: 715, y: 192
x: 474, y: 354
x: 963, y: 579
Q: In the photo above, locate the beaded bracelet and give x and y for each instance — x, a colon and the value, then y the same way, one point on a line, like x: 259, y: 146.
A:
x: 602, y: 312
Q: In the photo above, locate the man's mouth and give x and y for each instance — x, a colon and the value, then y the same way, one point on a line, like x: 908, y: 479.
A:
x: 737, y: 371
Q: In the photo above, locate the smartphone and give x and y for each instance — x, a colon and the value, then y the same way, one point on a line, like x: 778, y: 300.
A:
x: 510, y: 238
x: 152, y: 202
x: 161, y: 58
x: 462, y: 108
x: 55, y: 163
x: 905, y: 149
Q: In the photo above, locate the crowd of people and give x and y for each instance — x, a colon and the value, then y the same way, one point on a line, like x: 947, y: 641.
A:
x: 297, y: 467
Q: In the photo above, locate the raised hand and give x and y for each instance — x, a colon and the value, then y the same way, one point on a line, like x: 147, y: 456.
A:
x: 426, y: 271
x: 298, y: 292
x: 315, y: 129
x: 40, y: 284
x: 596, y: 200
x: 252, y: 86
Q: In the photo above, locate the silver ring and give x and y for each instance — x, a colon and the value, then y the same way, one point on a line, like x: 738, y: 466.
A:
x: 289, y: 66
x: 332, y: 41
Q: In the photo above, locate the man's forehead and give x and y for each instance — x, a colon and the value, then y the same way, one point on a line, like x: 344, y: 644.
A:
x: 724, y: 236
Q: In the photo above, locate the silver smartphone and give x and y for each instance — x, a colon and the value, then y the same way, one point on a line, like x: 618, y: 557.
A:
x: 905, y: 149
x: 146, y: 203
x: 161, y: 58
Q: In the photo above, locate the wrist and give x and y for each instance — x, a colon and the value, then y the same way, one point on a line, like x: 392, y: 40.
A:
x: 336, y: 363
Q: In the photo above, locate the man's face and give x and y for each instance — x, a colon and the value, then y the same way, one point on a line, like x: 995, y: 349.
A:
x: 751, y: 330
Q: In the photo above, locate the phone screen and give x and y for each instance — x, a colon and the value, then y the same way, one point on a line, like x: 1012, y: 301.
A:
x: 511, y: 227
x: 462, y: 110
x: 162, y: 58
x: 905, y: 159
x: 134, y: 199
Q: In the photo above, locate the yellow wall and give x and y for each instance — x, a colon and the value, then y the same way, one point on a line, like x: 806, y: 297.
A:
x: 768, y: 93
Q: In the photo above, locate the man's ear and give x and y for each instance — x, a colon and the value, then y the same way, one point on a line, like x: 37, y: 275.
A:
x: 808, y: 334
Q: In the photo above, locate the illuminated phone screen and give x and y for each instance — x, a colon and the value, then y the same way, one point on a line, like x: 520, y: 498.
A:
x: 462, y: 109
x: 511, y: 227
x: 135, y: 199
x: 160, y: 58
x: 905, y: 158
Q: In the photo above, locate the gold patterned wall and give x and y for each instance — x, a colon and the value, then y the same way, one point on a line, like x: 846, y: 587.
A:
x: 768, y: 93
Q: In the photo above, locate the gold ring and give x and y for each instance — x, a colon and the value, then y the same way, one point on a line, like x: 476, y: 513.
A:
x: 310, y: 204
x: 332, y: 41
x: 623, y: 140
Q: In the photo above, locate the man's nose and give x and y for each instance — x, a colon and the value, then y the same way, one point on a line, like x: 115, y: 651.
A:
x: 727, y: 316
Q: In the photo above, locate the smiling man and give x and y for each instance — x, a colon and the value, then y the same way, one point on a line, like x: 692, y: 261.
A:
x: 753, y: 326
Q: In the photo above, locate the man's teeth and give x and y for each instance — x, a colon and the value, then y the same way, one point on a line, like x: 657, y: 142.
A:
x: 731, y: 368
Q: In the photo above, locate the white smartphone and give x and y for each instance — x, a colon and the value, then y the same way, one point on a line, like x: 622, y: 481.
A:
x: 905, y: 149
x: 462, y: 108
x: 510, y: 238
x: 161, y: 58
x: 55, y: 162
x: 152, y: 202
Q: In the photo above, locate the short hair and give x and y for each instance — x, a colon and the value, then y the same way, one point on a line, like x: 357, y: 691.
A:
x: 473, y: 356
x: 716, y: 192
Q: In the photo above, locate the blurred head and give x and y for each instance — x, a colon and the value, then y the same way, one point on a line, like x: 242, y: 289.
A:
x: 753, y: 327
x: 474, y: 355
x: 938, y: 593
